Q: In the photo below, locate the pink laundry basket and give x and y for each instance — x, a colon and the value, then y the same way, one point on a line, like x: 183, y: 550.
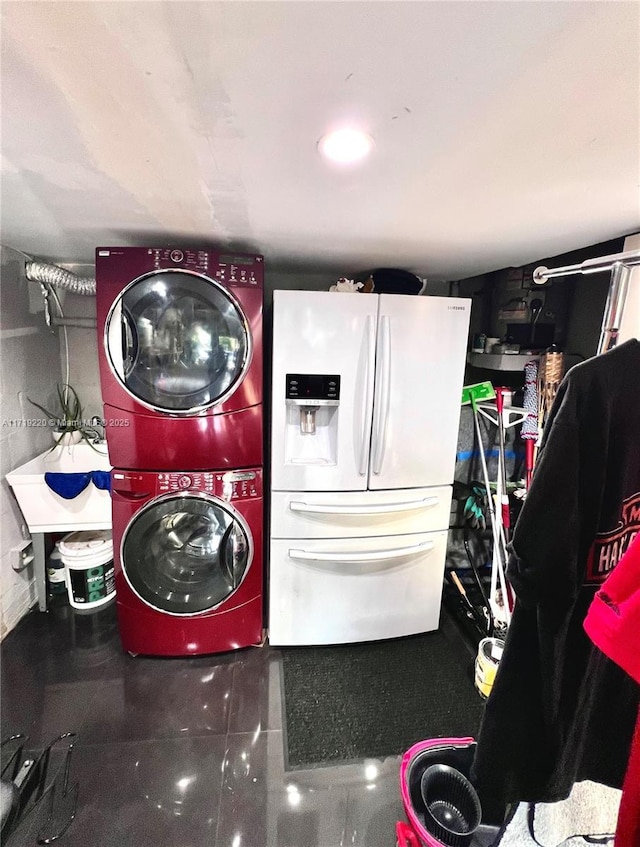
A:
x: 453, y: 752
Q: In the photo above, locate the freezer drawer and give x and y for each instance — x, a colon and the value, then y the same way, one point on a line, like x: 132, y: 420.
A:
x: 338, y: 591
x: 344, y: 514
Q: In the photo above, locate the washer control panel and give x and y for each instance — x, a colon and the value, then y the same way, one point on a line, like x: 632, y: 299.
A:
x: 140, y: 486
x: 228, y: 485
x: 239, y: 485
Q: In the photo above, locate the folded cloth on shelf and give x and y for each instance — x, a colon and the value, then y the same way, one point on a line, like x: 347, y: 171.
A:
x: 69, y: 485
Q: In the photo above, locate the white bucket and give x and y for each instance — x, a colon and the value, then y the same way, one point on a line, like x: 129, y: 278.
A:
x: 88, y: 565
x: 56, y: 572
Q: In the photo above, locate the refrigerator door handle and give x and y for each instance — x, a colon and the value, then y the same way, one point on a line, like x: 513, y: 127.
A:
x: 372, y: 509
x: 383, y: 379
x: 367, y: 397
x: 364, y: 556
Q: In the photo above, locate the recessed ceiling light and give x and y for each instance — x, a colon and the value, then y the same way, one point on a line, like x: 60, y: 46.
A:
x: 345, y: 145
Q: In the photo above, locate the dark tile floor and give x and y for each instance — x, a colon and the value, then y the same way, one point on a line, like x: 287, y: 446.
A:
x: 182, y: 752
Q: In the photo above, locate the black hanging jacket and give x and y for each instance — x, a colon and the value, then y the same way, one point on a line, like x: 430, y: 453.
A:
x: 560, y: 711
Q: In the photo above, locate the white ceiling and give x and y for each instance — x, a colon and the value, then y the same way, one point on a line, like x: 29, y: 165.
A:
x: 505, y: 131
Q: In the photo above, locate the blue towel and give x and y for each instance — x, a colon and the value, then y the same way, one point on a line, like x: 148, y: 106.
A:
x: 101, y: 480
x: 69, y: 485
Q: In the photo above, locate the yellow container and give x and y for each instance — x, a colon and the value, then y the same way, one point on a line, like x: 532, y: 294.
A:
x: 489, y: 655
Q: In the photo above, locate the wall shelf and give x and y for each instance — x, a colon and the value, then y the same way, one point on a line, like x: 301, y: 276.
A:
x: 501, y: 362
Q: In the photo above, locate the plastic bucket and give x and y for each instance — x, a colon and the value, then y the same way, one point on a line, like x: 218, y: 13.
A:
x: 489, y: 655
x: 88, y: 564
x: 56, y: 572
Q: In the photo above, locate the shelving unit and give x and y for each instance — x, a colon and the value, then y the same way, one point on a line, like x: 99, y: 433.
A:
x: 502, y: 361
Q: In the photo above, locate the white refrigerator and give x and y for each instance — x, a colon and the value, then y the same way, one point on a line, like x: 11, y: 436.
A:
x: 366, y: 397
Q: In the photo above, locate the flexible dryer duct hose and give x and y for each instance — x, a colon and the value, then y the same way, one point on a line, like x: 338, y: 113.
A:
x: 59, y: 278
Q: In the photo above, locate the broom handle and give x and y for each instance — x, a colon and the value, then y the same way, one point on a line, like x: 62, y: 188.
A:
x: 528, y: 461
x: 502, y: 464
x: 497, y: 569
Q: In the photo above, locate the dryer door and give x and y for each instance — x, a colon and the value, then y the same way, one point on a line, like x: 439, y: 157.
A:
x: 186, y: 553
x: 177, y: 341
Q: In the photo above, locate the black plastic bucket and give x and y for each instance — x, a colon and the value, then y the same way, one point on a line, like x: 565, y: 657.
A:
x: 452, y: 807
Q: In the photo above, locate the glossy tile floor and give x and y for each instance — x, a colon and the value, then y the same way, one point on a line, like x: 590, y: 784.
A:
x: 181, y: 752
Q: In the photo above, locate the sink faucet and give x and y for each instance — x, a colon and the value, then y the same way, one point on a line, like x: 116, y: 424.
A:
x: 97, y: 429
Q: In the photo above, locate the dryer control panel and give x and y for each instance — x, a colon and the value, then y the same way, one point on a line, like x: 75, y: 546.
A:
x: 238, y: 270
x: 190, y: 260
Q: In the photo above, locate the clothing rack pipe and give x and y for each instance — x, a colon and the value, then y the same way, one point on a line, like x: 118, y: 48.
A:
x: 590, y: 266
x: 620, y: 265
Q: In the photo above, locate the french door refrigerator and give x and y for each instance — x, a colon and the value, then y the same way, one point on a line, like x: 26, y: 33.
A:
x: 366, y: 399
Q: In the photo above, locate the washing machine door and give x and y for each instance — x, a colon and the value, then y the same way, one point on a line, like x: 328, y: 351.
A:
x: 186, y: 553
x: 177, y: 341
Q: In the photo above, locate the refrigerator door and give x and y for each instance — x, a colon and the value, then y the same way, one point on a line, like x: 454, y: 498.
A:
x: 420, y: 358
x: 322, y: 333
x: 345, y: 514
x: 340, y: 591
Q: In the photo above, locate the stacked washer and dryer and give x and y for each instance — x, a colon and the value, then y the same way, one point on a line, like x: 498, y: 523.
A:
x: 180, y: 339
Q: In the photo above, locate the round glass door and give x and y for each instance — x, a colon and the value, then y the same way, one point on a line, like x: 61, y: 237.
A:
x: 186, y: 553
x: 177, y: 341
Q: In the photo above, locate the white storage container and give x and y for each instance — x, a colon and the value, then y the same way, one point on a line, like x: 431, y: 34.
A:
x: 89, y: 573
x: 56, y: 572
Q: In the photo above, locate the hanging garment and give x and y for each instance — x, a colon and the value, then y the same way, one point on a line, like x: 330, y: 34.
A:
x: 613, y: 624
x: 587, y: 817
x: 613, y: 621
x: 560, y: 711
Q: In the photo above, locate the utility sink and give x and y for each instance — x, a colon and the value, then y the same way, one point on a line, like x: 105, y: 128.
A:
x: 45, y: 511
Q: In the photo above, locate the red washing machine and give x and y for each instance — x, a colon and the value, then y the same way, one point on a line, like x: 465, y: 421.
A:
x: 180, y: 338
x: 188, y: 560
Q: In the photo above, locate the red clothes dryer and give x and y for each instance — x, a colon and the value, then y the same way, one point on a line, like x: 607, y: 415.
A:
x: 188, y: 560
x: 180, y: 339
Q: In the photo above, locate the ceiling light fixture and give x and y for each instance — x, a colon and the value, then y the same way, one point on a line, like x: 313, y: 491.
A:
x: 345, y: 146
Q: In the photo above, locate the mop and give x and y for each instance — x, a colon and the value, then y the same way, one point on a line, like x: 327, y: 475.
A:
x: 529, y: 431
x: 503, y: 498
x: 501, y: 612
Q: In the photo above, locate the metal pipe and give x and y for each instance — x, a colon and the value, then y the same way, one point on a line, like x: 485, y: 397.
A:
x: 78, y: 322
x: 590, y: 266
x: 614, y: 307
x: 49, y: 274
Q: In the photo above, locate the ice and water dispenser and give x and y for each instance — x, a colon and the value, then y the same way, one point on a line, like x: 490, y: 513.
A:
x: 312, y: 418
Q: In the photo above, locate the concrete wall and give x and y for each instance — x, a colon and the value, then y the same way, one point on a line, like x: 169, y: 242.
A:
x: 29, y: 367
